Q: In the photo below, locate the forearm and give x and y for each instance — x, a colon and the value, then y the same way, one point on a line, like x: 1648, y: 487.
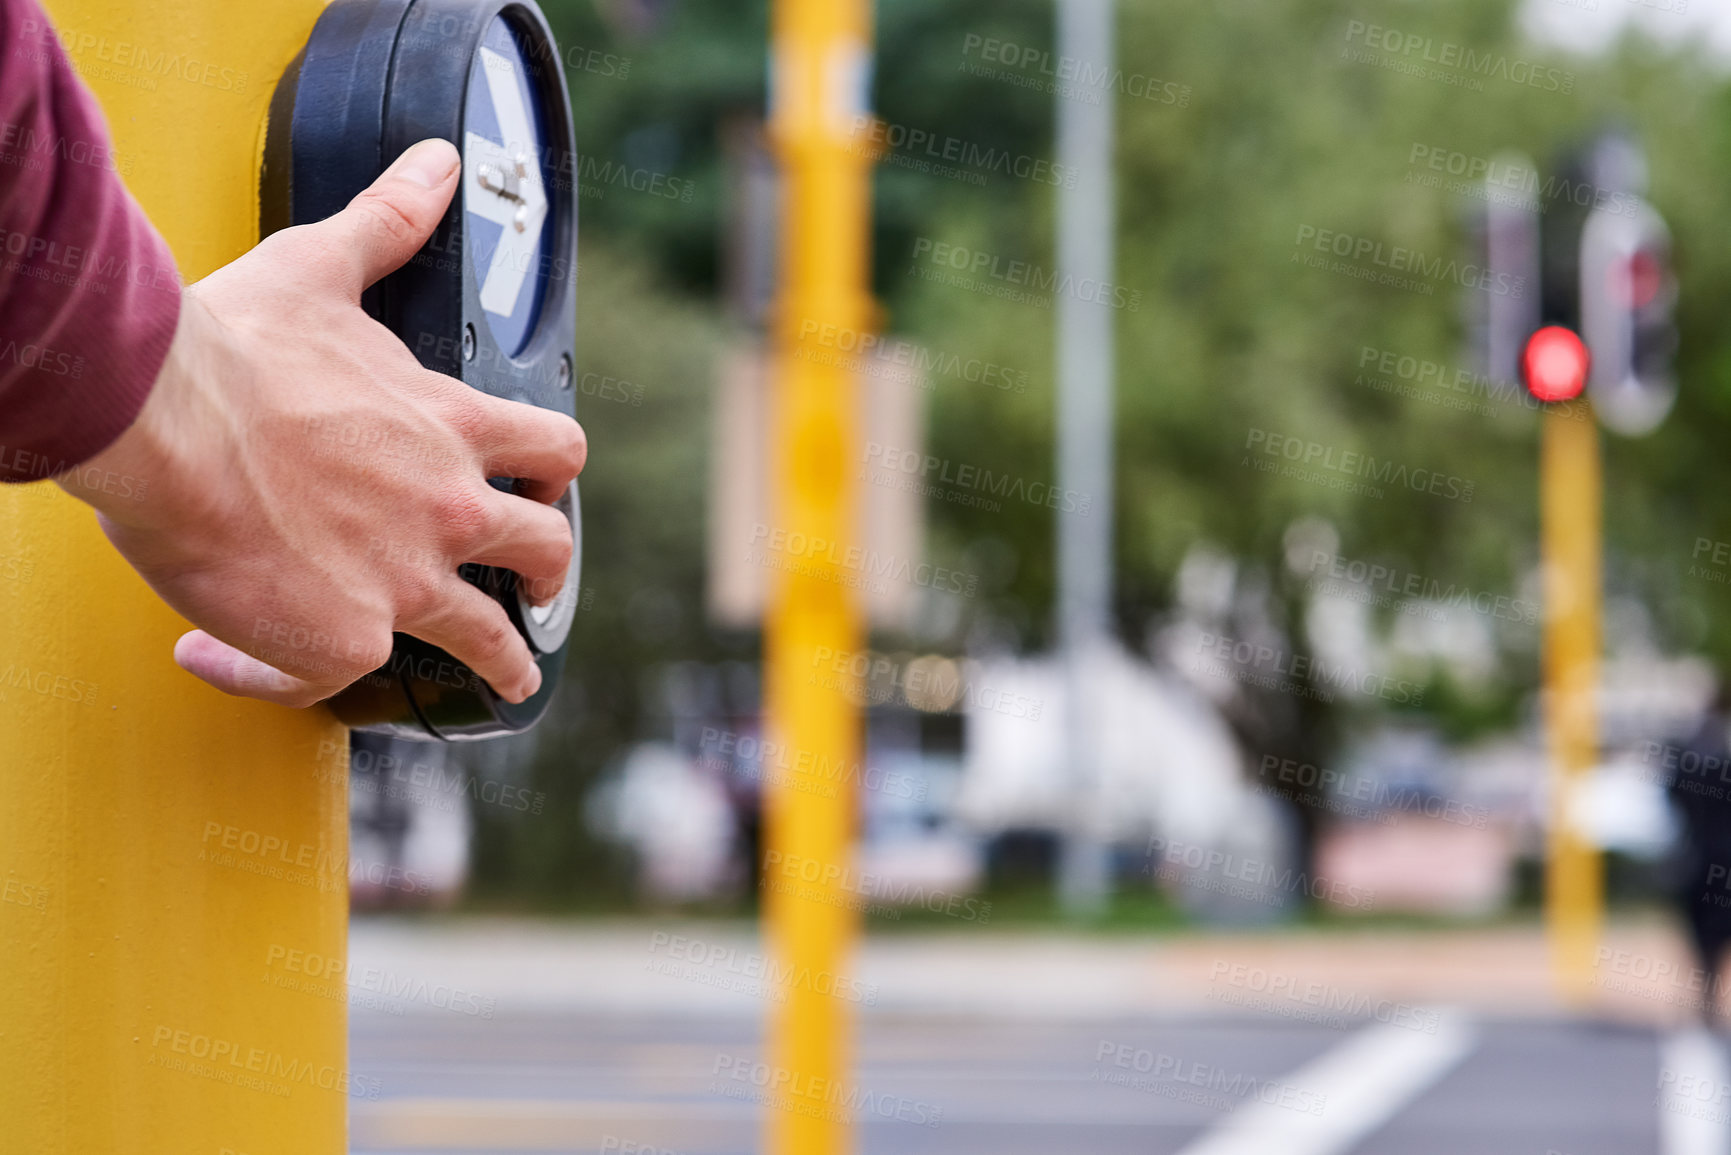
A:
x: 89, y: 295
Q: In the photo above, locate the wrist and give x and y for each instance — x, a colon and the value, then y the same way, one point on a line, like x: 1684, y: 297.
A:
x: 131, y: 480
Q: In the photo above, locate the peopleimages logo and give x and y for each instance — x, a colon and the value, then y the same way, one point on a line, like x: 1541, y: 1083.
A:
x: 138, y: 58
x: 1287, y: 996
x: 1459, y: 64
x: 892, y: 460
x: 62, y: 264
x: 877, y: 355
x: 1510, y: 182
x: 795, y: 1092
x: 829, y: 881
x: 1034, y: 283
x: 257, y: 1068
x: 718, y: 960
x: 1218, y: 870
x: 1352, y: 463
x: 1303, y: 670
x: 22, y: 144
x: 1399, y: 259
x: 938, y: 148
x: 1379, y: 795
x: 1168, y: 1070
x: 755, y: 757
x: 1404, y: 375
x: 856, y: 565
x: 1068, y: 76
x: 1367, y: 582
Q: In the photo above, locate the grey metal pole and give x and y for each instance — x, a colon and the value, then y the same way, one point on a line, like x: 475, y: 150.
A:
x: 1086, y: 228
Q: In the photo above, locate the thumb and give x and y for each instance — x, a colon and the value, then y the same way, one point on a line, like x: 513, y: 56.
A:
x: 387, y: 223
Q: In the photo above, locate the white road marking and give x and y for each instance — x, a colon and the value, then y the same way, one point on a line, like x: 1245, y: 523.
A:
x: 1694, y: 1098
x: 1362, y: 1084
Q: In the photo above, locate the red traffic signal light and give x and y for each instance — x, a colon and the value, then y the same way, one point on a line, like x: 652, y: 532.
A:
x: 1555, y: 364
x: 1643, y: 277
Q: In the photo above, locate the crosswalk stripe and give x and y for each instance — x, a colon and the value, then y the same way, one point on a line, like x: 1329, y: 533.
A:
x: 1354, y: 1089
x: 1694, y: 1098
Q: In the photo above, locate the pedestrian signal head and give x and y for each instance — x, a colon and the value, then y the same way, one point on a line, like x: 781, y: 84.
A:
x: 490, y: 299
x: 1628, y: 293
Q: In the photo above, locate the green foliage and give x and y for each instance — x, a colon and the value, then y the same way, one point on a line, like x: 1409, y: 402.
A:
x: 654, y: 103
x: 1232, y: 335
x: 1278, y: 132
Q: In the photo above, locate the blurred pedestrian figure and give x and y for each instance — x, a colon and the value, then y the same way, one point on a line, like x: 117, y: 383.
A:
x: 1700, y: 789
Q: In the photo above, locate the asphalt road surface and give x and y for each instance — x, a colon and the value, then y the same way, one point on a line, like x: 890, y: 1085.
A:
x: 1426, y: 1081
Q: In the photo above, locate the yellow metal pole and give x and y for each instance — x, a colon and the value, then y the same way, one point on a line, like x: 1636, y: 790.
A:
x: 1570, y: 502
x: 821, y: 51
x: 162, y: 847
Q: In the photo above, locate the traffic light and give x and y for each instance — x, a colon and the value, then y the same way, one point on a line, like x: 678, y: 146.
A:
x: 1554, y: 364
x: 1627, y: 296
x: 1595, y: 261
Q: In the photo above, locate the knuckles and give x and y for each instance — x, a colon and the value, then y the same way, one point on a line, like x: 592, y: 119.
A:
x: 418, y: 594
x: 557, y: 549
x: 564, y: 437
x: 467, y: 519
x: 559, y: 558
x: 575, y: 448
x: 491, y: 639
x: 462, y: 410
x: 373, y: 653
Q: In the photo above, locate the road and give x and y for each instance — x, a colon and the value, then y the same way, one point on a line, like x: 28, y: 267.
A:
x: 625, y: 1057
x: 591, y: 1084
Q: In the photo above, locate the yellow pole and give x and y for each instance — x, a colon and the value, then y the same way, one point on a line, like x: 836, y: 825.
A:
x: 821, y: 51
x: 163, y: 848
x: 1570, y: 502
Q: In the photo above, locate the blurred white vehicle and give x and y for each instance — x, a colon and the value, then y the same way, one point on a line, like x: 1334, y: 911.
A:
x: 1171, y: 789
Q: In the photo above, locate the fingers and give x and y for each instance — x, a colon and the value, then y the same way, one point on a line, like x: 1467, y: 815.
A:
x: 532, y: 539
x: 242, y: 675
x: 387, y: 223
x: 473, y: 628
x: 544, y: 449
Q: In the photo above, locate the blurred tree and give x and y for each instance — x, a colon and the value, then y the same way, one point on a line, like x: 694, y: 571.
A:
x: 1247, y: 128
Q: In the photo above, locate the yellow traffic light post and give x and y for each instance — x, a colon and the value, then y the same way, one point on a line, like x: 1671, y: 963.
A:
x: 821, y: 53
x: 1610, y: 338
x: 1556, y: 365
x: 1570, y: 512
x: 1594, y: 322
x: 161, y: 844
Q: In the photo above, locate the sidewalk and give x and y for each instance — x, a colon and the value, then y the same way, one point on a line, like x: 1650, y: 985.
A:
x: 719, y: 969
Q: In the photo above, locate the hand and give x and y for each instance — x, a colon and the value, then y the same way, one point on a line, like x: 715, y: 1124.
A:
x: 309, y: 487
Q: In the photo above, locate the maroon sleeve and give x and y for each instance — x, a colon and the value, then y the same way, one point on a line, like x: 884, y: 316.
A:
x: 89, y: 295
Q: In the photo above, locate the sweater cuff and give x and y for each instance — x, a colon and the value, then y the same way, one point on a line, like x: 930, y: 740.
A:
x: 89, y: 293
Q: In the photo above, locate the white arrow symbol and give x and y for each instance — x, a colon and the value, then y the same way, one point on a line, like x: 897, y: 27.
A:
x: 504, y: 186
